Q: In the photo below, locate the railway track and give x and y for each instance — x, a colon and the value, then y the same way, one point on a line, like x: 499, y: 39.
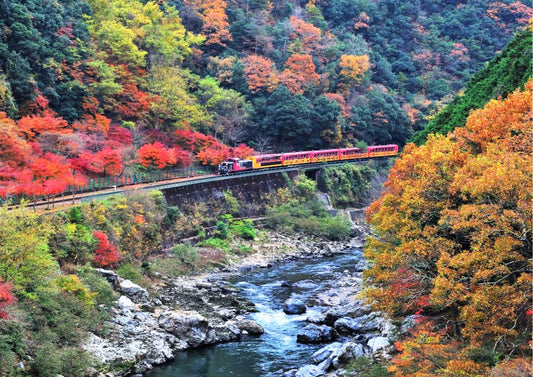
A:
x: 71, y: 199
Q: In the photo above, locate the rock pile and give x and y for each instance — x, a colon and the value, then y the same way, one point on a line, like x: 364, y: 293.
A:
x: 144, y: 331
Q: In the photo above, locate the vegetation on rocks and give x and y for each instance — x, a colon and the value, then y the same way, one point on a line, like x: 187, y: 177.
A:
x: 54, y: 294
x: 347, y: 186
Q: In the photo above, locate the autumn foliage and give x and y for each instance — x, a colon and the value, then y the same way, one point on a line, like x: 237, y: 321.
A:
x: 214, y: 154
x: 299, y: 73
x: 452, y: 238
x: 6, y: 298
x: 260, y: 73
x: 106, y: 253
x: 154, y: 155
x: 353, y: 69
x: 215, y: 21
x: 307, y: 34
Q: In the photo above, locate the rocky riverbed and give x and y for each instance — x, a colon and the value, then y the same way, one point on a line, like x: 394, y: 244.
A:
x: 183, y: 313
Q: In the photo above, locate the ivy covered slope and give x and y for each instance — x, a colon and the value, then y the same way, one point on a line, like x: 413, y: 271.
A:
x: 453, y: 246
x: 509, y: 70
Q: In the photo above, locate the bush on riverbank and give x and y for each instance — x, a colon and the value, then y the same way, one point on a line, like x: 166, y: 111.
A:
x: 366, y: 367
x: 54, y: 311
x: 297, y: 210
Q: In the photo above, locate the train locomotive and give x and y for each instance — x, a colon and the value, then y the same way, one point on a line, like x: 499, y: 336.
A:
x: 264, y: 161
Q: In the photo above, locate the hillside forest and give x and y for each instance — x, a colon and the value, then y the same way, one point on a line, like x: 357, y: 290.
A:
x: 104, y: 87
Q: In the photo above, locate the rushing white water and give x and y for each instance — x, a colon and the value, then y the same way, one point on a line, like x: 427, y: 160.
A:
x: 276, y: 350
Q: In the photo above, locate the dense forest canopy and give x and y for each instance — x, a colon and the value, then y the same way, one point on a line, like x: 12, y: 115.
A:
x: 86, y: 84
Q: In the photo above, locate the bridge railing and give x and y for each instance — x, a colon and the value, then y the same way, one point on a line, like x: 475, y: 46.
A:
x: 104, y: 183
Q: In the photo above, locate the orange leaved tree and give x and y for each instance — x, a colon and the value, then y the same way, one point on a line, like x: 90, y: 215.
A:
x: 453, y: 230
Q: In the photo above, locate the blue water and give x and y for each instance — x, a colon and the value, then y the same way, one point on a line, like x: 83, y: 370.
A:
x: 276, y: 350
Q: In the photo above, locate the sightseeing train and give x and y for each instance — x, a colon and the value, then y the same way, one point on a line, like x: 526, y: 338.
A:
x: 233, y: 165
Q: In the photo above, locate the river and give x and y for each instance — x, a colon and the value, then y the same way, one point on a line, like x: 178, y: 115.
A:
x: 276, y: 350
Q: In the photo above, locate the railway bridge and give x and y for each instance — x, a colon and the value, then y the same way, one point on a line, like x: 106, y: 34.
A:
x: 188, y: 186
x: 254, y: 182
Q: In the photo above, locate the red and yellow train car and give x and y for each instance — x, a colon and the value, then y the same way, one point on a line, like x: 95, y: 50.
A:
x: 306, y: 157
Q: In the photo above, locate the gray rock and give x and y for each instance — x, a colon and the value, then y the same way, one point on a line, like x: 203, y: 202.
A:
x: 348, y: 351
x: 188, y: 326
x: 388, y: 329
x: 135, y: 292
x: 352, y: 310
x: 316, y: 334
x: 124, y: 303
x: 292, y: 306
x: 316, y: 318
x: 324, y: 365
x: 347, y: 326
x: 379, y: 343
x: 251, y: 327
x: 325, y: 352
x: 111, y: 276
x: 309, y: 371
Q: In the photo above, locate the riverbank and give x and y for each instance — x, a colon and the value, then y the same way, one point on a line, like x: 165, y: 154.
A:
x: 147, y: 327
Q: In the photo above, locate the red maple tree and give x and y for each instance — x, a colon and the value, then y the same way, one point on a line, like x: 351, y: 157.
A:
x: 153, y: 155
x: 6, y: 298
x: 106, y: 253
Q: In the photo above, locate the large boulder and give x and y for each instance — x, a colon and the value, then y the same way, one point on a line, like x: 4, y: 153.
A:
x: 309, y: 371
x: 378, y: 344
x: 348, y: 351
x: 352, y: 310
x: 358, y: 325
x: 191, y: 327
x: 347, y: 326
x: 124, y: 303
x: 110, y: 276
x: 316, y: 334
x: 325, y: 352
x: 135, y: 292
x: 292, y: 306
x: 250, y: 326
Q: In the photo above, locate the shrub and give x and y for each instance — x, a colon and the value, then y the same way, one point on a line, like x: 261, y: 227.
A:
x: 130, y: 272
x: 72, y: 284
x: 99, y: 285
x: 216, y: 243
x: 75, y: 215
x: 6, y: 298
x: 106, y: 253
x: 185, y: 253
x: 24, y: 239
x: 12, y: 346
x: 364, y: 367
x: 73, y: 243
x: 244, y: 229
x: 222, y: 230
